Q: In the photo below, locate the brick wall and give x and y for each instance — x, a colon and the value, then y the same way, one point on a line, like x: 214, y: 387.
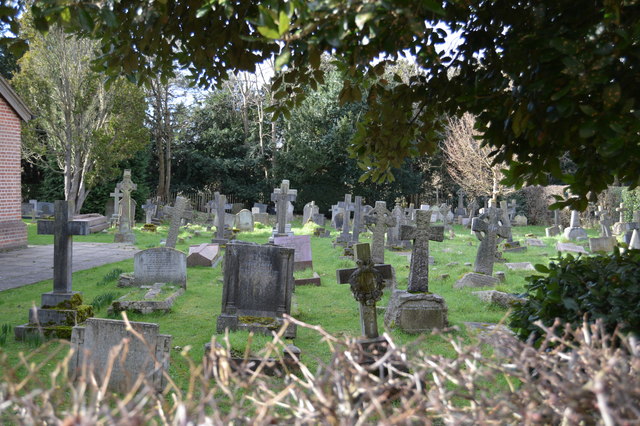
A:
x: 13, y: 232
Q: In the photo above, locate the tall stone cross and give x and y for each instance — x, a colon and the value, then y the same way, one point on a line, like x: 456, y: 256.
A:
x: 460, y: 210
x: 505, y: 218
x: 346, y: 206
x: 357, y: 219
x: 281, y: 197
x: 605, y: 222
x: 149, y: 210
x: 125, y: 234
x: 63, y: 230
x: 621, y: 210
x: 488, y: 227
x: 421, y: 233
x: 177, y: 212
x: 116, y: 194
x: 367, y: 283
x: 219, y: 203
x: 378, y: 219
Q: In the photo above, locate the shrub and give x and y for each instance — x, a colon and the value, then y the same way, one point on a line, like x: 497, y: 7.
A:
x: 605, y: 287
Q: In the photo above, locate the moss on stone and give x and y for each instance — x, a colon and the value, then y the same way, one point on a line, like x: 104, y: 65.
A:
x: 265, y: 321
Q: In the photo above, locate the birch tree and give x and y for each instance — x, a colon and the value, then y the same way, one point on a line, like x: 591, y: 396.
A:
x: 82, y: 129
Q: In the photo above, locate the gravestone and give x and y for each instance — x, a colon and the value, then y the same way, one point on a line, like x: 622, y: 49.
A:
x: 488, y: 228
x: 262, y: 208
x: 309, y: 211
x: 378, y: 220
x: 415, y: 310
x: 319, y: 219
x: 149, y: 211
x: 602, y: 244
x: 114, y: 215
x: 262, y: 218
x: 63, y: 231
x: 258, y: 286
x: 346, y: 207
x: 393, y: 232
x: 244, y: 221
x: 575, y: 231
x: 520, y: 220
x: 605, y: 222
x: 160, y: 265
x: 534, y: 242
x: 302, y: 246
x: 460, y: 210
x: 177, y: 212
x: 223, y: 232
x: 520, y: 266
x: 634, y: 243
x: 125, y: 233
x: 621, y: 226
x: 203, y: 255
x: 556, y: 229
x: 367, y: 284
x: 283, y: 197
x: 506, y: 221
x: 570, y: 247
x: 99, y: 339
x: 358, y: 211
x: 512, y: 210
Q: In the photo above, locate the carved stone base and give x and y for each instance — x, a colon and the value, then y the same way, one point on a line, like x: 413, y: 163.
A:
x: 128, y: 237
x: 262, y: 325
x: 416, y: 312
x: 575, y: 234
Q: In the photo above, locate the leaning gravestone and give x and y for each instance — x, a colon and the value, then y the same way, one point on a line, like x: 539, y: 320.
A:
x: 95, y: 343
x: 258, y: 286
x: 160, y: 265
x: 177, y: 212
x: 203, y: 255
x: 244, y: 221
x: 488, y: 227
x: 61, y: 307
x: 416, y: 310
x: 575, y: 231
x: 302, y: 246
x: 125, y: 233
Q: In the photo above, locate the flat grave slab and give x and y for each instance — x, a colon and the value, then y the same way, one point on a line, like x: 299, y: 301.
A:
x: 520, y: 266
x: 570, y: 247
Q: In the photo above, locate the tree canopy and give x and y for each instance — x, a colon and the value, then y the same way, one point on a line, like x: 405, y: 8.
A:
x: 546, y: 79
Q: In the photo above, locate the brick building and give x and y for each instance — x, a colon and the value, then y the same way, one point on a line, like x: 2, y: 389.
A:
x: 13, y: 232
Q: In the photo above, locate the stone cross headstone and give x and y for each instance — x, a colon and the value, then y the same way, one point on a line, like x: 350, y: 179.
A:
x: 177, y: 212
x: 358, y: 210
x: 511, y: 210
x: 378, y: 220
x: 506, y: 220
x: 220, y: 206
x: 420, y: 234
x: 346, y: 207
x: 258, y: 287
x: 281, y: 197
x: 460, y: 210
x: 125, y: 233
x: 367, y: 284
x: 149, y: 210
x: 622, y: 225
x: 488, y: 227
x: 116, y: 195
x: 605, y: 222
x: 393, y: 232
x: 621, y: 210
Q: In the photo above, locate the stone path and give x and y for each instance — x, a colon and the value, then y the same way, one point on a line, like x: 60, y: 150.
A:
x: 35, y: 263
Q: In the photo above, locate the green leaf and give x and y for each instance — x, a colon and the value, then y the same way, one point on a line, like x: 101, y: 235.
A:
x: 283, y: 58
x: 283, y: 22
x: 541, y: 268
x: 587, y: 130
x: 269, y: 32
x: 362, y: 18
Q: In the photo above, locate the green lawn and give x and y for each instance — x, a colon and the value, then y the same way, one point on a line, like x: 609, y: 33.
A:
x: 192, y: 321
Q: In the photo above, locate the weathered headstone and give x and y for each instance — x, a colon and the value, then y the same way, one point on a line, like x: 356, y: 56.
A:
x: 506, y: 221
x: 512, y: 210
x: 309, y: 211
x: 261, y: 207
x: 100, y: 339
x: 378, y: 220
x: 393, y: 232
x: 258, y: 286
x: 534, y: 242
x: 115, y: 213
x: 520, y: 220
x: 149, y: 210
x: 602, y: 244
x: 554, y: 230
x: 346, y: 207
x: 358, y: 212
x: 605, y: 222
x: 367, y: 284
x: 223, y: 232
x: 177, y: 212
x: 622, y: 226
x: 570, y: 247
x: 203, y: 255
x: 488, y: 227
x: 160, y: 265
x: 505, y: 300
x: 302, y: 246
x: 520, y: 266
x: 416, y: 310
x: 125, y: 233
x: 63, y: 231
x: 244, y: 221
x: 460, y: 210
x: 575, y: 231
x: 262, y: 218
x: 282, y: 197
x: 635, y: 240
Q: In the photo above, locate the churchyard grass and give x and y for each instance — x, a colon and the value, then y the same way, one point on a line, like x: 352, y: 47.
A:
x: 192, y: 319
